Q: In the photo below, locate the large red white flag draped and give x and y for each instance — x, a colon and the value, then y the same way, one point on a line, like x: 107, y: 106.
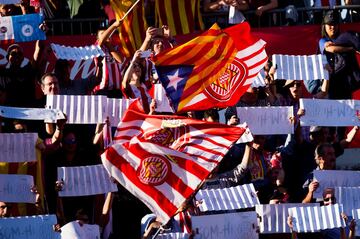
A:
x: 162, y: 159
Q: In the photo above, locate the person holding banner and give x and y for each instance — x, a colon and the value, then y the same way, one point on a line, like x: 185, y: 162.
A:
x: 326, y: 160
x: 333, y: 233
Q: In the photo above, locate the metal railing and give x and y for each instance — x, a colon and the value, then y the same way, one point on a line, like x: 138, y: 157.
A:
x: 277, y: 17
x: 75, y: 26
x: 272, y: 18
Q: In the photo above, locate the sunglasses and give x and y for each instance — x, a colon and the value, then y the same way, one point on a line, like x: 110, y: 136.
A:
x: 4, y: 206
x: 328, y: 199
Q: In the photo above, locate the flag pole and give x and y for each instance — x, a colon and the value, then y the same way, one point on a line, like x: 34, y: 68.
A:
x: 127, y: 13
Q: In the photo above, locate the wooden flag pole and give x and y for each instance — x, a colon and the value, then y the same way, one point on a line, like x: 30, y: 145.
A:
x: 127, y: 13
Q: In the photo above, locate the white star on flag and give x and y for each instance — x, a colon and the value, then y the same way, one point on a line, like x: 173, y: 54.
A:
x: 174, y: 79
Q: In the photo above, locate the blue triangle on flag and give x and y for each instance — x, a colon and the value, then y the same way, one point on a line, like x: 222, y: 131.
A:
x: 174, y: 79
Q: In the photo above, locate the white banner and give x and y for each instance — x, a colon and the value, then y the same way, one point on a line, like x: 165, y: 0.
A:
x: 116, y: 109
x: 162, y: 101
x: 85, y: 180
x: 349, y: 197
x: 330, y: 112
x: 80, y: 109
x: 297, y: 67
x: 174, y: 235
x: 316, y: 218
x: 31, y: 227
x: 31, y: 113
x: 273, y: 217
x: 242, y: 196
x: 73, y: 230
x: 267, y: 120
x: 77, y: 53
x: 356, y: 215
x: 16, y: 188
x: 228, y: 225
x: 18, y: 147
x: 335, y: 178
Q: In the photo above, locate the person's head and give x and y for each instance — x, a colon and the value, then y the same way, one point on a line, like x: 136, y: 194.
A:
x: 15, y: 55
x: 319, y: 134
x: 325, y: 156
x: 234, y: 120
x: 82, y: 217
x: 211, y: 115
x: 157, y: 44
x: 49, y: 84
x: 100, y: 31
x: 137, y: 70
x: 69, y: 142
x: 7, y: 9
x: 4, y: 212
x: 19, y: 126
x: 62, y: 70
x: 295, y: 88
x: 330, y: 25
x: 329, y: 196
x: 259, y: 142
x: 279, y: 196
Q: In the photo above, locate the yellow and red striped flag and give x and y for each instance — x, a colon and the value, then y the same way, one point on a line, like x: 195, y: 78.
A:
x: 182, y: 16
x: 133, y: 28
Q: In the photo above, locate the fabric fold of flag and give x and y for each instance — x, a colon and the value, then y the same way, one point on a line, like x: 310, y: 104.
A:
x: 162, y: 159
x: 225, y: 63
x: 133, y: 28
x: 182, y: 16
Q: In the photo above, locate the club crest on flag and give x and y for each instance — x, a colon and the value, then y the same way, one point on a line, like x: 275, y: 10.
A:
x: 168, y: 134
x: 163, y: 136
x: 224, y: 87
x: 153, y: 170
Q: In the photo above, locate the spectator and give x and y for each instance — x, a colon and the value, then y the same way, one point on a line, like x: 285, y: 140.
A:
x: 4, y: 209
x: 234, y: 7
x: 342, y: 75
x: 111, y: 66
x: 326, y: 160
x: 133, y: 84
x: 18, y: 78
x: 9, y: 10
x: 211, y: 115
x: 334, y: 233
x: 260, y: 7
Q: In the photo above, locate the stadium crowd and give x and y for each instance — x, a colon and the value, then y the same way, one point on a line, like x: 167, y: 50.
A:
x: 279, y: 166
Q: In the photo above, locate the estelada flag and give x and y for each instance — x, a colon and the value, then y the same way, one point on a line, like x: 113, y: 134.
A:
x: 181, y: 16
x: 162, y: 159
x: 21, y: 28
x: 196, y: 80
x: 132, y: 30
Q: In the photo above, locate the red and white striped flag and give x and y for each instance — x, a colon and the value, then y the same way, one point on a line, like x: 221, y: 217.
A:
x: 162, y: 159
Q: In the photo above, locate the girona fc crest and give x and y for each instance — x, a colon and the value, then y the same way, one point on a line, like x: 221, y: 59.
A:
x: 153, y: 170
x: 163, y: 137
x: 234, y: 76
x: 172, y: 137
